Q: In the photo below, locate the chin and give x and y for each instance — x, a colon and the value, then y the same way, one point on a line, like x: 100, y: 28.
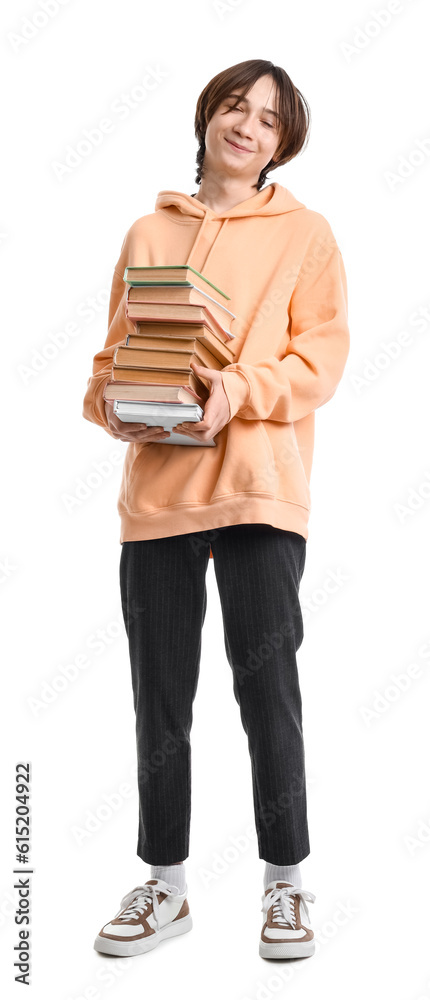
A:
x: 237, y: 158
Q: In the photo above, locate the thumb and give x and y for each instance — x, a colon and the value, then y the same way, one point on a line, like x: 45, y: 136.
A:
x: 207, y: 373
x: 202, y: 368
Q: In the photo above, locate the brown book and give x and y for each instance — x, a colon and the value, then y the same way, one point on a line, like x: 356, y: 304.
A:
x: 168, y: 312
x: 181, y: 295
x: 171, y: 376
x: 146, y: 357
x: 157, y: 393
x: 181, y: 336
x: 173, y: 274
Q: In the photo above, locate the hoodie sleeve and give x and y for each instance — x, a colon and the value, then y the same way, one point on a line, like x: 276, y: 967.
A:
x: 308, y: 375
x: 118, y: 327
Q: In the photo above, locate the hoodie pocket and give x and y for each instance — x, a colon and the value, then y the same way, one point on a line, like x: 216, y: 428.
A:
x: 132, y: 464
x: 247, y: 461
x: 285, y: 464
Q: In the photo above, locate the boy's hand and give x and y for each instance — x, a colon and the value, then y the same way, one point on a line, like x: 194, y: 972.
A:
x: 217, y: 408
x: 125, y: 431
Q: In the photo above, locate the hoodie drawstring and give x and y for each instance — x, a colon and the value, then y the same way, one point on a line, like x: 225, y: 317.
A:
x: 197, y: 239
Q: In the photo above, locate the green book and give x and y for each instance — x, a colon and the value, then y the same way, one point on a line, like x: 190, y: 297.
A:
x: 168, y: 274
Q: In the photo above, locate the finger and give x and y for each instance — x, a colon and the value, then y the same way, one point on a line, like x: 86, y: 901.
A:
x: 182, y: 430
x: 190, y: 433
x: 135, y: 429
x: 139, y: 435
x: 130, y: 425
x: 193, y: 425
x: 145, y: 440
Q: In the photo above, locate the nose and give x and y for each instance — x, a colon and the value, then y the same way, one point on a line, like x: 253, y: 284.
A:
x: 244, y: 127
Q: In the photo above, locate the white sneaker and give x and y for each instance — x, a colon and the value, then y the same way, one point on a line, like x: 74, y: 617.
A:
x: 149, y: 914
x: 284, y: 934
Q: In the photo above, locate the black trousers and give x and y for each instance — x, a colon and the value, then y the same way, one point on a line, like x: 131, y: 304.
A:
x: 258, y: 570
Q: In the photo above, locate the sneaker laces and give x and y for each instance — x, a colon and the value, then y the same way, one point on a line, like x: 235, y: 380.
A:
x: 137, y: 901
x: 283, y: 904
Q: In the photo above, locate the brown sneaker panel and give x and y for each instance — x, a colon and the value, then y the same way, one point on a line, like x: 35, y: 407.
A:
x: 133, y: 921
x: 183, y: 912
x: 147, y: 930
x: 306, y: 937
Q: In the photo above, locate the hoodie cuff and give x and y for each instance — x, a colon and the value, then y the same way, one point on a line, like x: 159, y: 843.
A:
x: 237, y: 390
x: 94, y: 404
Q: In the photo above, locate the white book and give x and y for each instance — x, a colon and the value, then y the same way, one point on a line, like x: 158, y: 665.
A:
x: 165, y: 415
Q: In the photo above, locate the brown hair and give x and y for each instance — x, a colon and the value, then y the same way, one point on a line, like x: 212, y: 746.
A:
x: 291, y: 106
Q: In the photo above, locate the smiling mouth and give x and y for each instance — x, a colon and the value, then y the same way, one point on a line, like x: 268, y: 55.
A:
x: 241, y: 149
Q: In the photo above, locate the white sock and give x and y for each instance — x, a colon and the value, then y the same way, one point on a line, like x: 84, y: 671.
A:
x: 282, y: 873
x: 173, y: 874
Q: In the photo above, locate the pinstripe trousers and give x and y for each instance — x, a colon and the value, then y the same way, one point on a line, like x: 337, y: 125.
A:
x: 258, y: 571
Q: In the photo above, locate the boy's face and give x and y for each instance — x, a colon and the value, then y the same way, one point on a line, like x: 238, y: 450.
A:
x: 247, y: 123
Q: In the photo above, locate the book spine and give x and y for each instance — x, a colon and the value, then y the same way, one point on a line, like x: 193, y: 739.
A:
x: 185, y: 268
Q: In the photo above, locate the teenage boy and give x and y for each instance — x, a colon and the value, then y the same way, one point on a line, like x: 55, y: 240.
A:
x: 244, y: 503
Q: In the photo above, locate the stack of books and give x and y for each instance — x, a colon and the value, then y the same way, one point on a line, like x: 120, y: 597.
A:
x: 179, y: 316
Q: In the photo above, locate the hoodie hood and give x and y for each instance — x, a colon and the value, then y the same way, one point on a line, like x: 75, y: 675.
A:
x: 185, y: 208
x: 271, y: 200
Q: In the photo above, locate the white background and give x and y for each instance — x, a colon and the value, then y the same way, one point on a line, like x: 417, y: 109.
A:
x: 369, y: 808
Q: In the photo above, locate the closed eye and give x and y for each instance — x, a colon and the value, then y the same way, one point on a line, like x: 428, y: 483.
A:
x: 235, y: 107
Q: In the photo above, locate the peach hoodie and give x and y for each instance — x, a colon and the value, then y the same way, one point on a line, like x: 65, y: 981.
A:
x: 280, y: 264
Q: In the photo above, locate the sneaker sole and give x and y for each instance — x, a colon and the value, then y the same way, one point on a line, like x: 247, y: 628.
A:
x: 124, y: 948
x: 286, y: 949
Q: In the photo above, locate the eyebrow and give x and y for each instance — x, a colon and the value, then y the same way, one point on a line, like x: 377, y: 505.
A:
x: 245, y: 100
